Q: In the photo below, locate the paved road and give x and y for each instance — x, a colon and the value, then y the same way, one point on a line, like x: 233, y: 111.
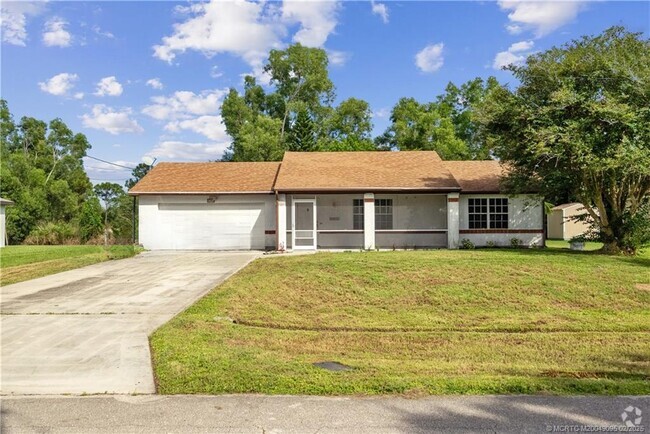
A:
x: 276, y: 414
x: 85, y: 330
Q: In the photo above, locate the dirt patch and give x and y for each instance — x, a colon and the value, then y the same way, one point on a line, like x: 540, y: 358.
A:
x: 643, y: 286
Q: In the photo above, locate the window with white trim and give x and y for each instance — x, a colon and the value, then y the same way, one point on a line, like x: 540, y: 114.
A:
x: 383, y: 214
x: 357, y: 214
x: 484, y: 213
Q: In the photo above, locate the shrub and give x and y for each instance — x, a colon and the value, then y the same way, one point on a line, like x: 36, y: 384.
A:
x: 466, y: 244
x: 91, y: 221
x: 490, y: 244
x: 51, y: 233
x: 516, y: 243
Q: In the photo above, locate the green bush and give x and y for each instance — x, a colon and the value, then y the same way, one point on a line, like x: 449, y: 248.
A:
x: 51, y: 233
x: 516, y: 243
x: 466, y: 244
x: 90, y: 221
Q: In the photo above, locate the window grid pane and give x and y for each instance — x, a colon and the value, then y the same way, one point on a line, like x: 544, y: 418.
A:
x: 357, y: 214
x: 383, y: 214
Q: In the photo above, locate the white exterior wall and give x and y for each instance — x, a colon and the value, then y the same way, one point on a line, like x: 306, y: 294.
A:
x: 525, y: 221
x: 3, y: 228
x: 151, y: 228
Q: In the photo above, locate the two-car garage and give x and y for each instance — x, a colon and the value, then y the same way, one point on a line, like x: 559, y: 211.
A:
x: 207, y: 206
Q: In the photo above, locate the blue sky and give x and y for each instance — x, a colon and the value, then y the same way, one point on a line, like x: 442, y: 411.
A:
x: 148, y: 78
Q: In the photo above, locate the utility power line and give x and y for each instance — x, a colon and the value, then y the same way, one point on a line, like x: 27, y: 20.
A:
x: 110, y: 162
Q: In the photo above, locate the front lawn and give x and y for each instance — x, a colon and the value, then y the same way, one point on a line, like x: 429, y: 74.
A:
x: 423, y: 322
x: 21, y: 263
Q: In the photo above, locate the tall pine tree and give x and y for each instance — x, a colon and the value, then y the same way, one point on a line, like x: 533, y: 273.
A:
x: 302, y: 138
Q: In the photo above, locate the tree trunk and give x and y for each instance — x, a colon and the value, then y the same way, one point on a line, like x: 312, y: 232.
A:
x: 610, y: 248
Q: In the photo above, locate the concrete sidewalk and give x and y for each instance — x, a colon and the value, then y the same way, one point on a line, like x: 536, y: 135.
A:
x: 302, y: 414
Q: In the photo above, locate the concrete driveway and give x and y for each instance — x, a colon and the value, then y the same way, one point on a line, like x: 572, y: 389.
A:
x: 85, y: 330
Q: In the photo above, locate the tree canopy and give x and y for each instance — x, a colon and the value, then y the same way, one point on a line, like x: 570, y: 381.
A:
x: 578, y: 128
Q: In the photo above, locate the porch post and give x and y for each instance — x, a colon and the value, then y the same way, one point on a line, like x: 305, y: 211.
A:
x: 281, y: 224
x: 453, y: 220
x: 369, y: 221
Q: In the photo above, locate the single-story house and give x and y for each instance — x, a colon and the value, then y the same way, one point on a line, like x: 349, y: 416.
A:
x: 3, y: 228
x: 333, y: 200
x: 562, y: 223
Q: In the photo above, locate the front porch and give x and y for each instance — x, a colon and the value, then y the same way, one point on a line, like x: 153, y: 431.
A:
x: 367, y: 221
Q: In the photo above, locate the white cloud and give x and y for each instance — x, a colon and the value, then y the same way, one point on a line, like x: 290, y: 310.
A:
x: 106, y: 34
x: 177, y: 150
x: 155, y: 83
x: 214, y: 72
x: 78, y: 95
x: 55, y: 33
x: 110, y: 120
x: 430, y: 58
x: 337, y: 58
x: 185, y: 104
x: 541, y: 17
x: 380, y: 9
x: 247, y: 29
x: 211, y: 127
x: 108, y: 86
x: 13, y: 20
x: 383, y: 112
x: 515, y: 55
x: 60, y: 84
x: 238, y: 27
x: 317, y: 20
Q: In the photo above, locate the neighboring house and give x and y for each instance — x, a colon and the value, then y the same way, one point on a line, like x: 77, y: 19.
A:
x: 3, y: 231
x: 333, y: 200
x: 561, y: 223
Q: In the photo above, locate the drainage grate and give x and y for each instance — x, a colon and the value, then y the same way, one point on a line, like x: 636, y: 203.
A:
x: 332, y: 366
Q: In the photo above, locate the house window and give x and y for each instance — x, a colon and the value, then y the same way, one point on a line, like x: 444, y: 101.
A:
x: 357, y: 214
x: 383, y: 214
x: 484, y: 213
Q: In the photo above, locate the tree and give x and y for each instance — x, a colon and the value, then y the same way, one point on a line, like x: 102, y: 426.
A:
x: 109, y: 193
x: 459, y: 104
x: 137, y: 174
x: 302, y: 137
x: 417, y: 126
x: 90, y: 220
x: 350, y: 126
x: 578, y: 125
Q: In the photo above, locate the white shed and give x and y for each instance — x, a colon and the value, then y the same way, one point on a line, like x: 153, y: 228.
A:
x: 3, y: 233
x: 561, y: 225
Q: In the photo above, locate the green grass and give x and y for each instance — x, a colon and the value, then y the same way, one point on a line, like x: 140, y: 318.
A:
x: 425, y: 322
x: 21, y: 263
x: 562, y: 244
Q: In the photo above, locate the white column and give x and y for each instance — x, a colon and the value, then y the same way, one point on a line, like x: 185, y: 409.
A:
x: 281, y: 224
x: 453, y: 220
x: 369, y: 221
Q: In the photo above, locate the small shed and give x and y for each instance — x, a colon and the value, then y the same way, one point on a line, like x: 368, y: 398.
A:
x: 3, y: 232
x: 561, y: 225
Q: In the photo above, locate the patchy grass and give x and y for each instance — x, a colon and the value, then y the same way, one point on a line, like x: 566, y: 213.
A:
x: 426, y: 322
x: 21, y: 263
x: 562, y: 244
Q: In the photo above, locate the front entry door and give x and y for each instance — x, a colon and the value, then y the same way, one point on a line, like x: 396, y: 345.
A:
x: 303, y: 220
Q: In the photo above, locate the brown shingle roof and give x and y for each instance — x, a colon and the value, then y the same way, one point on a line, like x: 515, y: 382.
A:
x: 363, y: 171
x: 221, y: 177
x: 477, y: 176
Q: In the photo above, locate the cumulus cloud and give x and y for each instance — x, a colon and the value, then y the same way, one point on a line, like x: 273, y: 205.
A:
x: 247, y: 29
x: 113, y: 121
x: 430, y: 58
x: 211, y: 127
x: 13, y: 20
x: 380, y: 9
x: 237, y: 27
x: 317, y: 20
x: 178, y: 150
x: 185, y: 104
x: 155, y: 83
x: 108, y: 86
x: 55, y: 33
x: 60, y: 84
x: 104, y: 33
x: 337, y: 58
x: 515, y: 55
x: 541, y: 17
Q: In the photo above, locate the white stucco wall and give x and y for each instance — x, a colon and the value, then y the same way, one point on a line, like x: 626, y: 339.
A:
x: 151, y: 228
x: 525, y: 222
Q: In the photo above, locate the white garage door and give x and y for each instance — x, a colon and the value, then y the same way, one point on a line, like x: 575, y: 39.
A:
x: 211, y: 226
